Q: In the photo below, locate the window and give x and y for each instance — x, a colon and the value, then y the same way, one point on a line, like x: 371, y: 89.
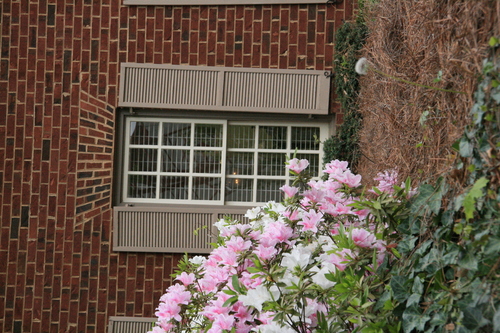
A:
x: 196, y: 161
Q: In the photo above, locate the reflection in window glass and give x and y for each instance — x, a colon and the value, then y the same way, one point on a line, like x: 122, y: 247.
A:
x: 143, y: 159
x: 272, y: 137
x: 271, y: 164
x: 207, y: 161
x: 176, y: 134
x: 240, y: 136
x: 208, y: 135
x: 143, y: 133
x: 206, y: 188
x: 174, y: 187
x: 141, y: 186
x: 239, y: 163
x: 268, y: 189
x: 305, y: 138
x: 239, y: 190
x: 175, y: 160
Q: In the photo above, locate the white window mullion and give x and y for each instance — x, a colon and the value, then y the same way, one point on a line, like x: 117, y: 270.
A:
x: 191, y: 163
x: 223, y: 163
x: 158, y: 160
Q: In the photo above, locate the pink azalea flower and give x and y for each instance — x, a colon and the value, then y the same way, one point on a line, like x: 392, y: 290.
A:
x: 335, y: 165
x: 297, y: 165
x: 387, y: 180
x: 165, y: 325
x: 265, y: 252
x: 292, y: 215
x: 310, y: 220
x: 242, y: 312
x: 348, y: 178
x: 224, y: 321
x: 158, y: 329
x: 276, y: 232
x: 339, y: 209
x: 289, y: 191
x: 362, y: 237
x: 314, y: 195
x: 341, y: 259
x: 215, y: 308
x: 186, y: 278
x: 167, y: 311
x: 238, y: 244
x: 250, y: 281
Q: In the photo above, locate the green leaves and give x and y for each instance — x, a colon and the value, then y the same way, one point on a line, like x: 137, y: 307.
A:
x: 474, y: 193
x: 413, y: 318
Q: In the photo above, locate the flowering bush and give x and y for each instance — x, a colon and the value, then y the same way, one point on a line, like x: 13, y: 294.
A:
x: 316, y: 262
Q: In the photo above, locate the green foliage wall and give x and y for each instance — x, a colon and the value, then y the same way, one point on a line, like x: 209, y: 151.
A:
x: 349, y: 40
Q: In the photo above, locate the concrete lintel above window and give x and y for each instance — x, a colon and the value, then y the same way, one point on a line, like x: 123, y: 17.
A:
x: 216, y: 2
x: 224, y: 88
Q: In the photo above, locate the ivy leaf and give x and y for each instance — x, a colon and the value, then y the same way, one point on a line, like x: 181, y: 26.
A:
x: 468, y: 261
x: 382, y: 300
x: 413, y: 299
x: 465, y: 148
x: 413, y: 318
x: 496, y: 321
x: 418, y: 286
x: 399, y: 288
x: 406, y: 245
x: 470, y: 199
x: 473, y: 318
x: 428, y: 197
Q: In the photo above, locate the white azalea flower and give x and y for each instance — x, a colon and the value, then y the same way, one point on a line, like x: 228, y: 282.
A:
x: 258, y: 296
x: 197, y: 260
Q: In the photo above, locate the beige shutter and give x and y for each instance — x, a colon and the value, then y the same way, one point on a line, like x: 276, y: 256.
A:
x: 216, y: 2
x: 130, y: 324
x: 168, y: 229
x: 224, y: 89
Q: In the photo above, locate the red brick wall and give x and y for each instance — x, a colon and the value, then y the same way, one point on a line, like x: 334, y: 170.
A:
x: 59, y: 64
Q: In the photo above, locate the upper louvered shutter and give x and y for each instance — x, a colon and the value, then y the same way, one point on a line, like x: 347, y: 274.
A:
x: 215, y: 2
x: 224, y: 89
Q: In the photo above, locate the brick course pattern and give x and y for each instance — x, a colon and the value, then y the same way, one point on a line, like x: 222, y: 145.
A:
x: 59, y: 68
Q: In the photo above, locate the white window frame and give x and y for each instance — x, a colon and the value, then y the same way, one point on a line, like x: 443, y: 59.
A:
x: 159, y: 147
x: 324, y: 129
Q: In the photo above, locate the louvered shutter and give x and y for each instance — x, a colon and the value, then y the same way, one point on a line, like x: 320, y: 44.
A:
x: 224, y: 89
x: 169, y: 229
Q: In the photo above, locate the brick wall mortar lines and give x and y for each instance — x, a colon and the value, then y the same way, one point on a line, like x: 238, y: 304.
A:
x: 59, y: 74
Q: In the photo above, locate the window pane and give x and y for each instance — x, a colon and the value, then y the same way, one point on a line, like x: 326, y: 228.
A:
x: 206, y: 188
x: 208, y: 135
x: 239, y: 190
x: 143, y: 133
x: 239, y: 163
x: 240, y: 136
x: 176, y: 134
x: 207, y: 161
x: 303, y: 138
x: 141, y: 186
x: 175, y: 160
x: 143, y: 159
x: 272, y: 137
x: 174, y: 187
x: 268, y: 189
x: 313, y: 163
x: 271, y: 164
